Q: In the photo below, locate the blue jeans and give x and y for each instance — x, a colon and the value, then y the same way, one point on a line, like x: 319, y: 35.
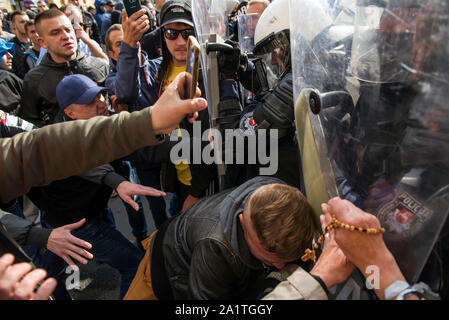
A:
x: 150, y: 177
x: 54, y: 266
x: 136, y: 219
x: 111, y: 247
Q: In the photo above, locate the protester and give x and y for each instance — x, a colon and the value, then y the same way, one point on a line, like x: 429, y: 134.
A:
x: 221, y: 247
x: 187, y: 180
x: 100, y: 15
x: 21, y: 41
x: 85, y: 44
x: 41, y: 6
x: 92, y: 11
x: 56, y: 33
x: 6, y: 24
x: 89, y: 21
x: 5, y: 34
x: 32, y: 55
x: 134, y: 131
x: 148, y: 173
x: 10, y: 84
x: 68, y: 200
x: 107, y: 22
x: 116, y: 174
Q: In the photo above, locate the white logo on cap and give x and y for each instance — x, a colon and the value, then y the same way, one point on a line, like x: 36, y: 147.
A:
x: 177, y: 9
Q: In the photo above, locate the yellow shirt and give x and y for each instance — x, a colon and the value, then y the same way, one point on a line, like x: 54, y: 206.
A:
x: 182, y: 166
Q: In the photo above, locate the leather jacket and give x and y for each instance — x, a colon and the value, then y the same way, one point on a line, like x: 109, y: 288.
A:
x: 205, y: 252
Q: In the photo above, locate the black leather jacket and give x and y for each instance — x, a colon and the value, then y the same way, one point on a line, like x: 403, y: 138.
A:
x: 205, y: 252
x: 39, y: 104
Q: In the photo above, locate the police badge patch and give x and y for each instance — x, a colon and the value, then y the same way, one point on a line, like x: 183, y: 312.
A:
x: 404, y: 214
x: 247, y: 122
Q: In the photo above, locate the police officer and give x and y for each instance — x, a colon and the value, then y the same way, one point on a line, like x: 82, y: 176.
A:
x: 383, y: 148
x: 272, y: 107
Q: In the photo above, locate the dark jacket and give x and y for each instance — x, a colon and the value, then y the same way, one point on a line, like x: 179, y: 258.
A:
x: 10, y: 92
x: 272, y: 109
x: 69, y: 200
x: 151, y: 44
x: 141, y: 86
x: 39, y: 104
x: 19, y: 66
x: 205, y: 252
x: 23, y: 231
x: 83, y: 196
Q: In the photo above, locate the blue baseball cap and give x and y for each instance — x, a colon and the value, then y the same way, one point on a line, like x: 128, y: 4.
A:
x: 77, y: 89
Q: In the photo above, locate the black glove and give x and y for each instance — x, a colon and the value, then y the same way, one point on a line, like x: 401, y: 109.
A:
x: 229, y: 63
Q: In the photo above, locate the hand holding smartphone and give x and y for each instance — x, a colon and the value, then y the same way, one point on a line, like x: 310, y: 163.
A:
x: 192, y: 68
x: 131, y: 6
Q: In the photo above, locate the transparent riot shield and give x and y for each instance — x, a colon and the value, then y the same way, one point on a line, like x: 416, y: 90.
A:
x: 370, y: 105
x: 210, y: 18
x: 246, y: 27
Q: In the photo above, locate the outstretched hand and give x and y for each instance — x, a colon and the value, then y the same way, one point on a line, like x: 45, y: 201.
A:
x: 127, y: 190
x: 62, y: 243
x: 170, y: 109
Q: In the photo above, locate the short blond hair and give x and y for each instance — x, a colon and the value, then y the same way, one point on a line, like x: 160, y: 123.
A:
x: 283, y: 220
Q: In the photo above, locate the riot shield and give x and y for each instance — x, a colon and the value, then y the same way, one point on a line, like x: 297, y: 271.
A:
x: 246, y: 27
x: 210, y: 18
x: 369, y: 110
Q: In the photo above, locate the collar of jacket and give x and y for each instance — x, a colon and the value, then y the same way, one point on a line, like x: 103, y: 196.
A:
x: 112, y: 65
x: 48, y: 61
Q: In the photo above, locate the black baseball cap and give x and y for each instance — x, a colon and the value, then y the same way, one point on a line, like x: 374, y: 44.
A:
x: 176, y: 11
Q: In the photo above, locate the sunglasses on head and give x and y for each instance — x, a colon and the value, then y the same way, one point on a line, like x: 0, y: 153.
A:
x: 172, y: 34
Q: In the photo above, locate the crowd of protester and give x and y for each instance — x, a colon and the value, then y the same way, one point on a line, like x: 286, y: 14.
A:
x: 59, y: 65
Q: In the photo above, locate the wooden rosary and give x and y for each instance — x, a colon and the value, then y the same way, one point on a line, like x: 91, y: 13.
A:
x: 333, y: 224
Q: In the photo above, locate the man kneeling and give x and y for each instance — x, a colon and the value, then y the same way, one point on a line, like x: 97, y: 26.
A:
x: 222, y: 247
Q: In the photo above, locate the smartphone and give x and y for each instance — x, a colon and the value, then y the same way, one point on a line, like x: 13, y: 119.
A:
x: 131, y: 6
x: 192, y: 67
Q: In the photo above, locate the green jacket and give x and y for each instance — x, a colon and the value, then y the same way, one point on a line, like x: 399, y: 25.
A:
x: 62, y: 150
